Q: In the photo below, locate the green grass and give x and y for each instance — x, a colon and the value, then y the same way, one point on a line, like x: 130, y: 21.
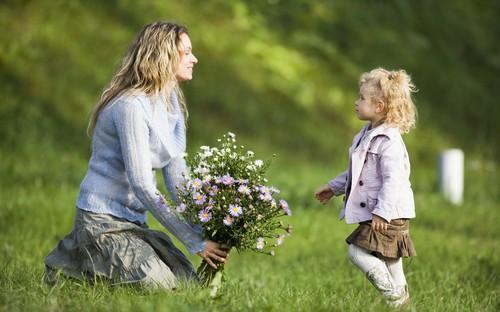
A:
x: 457, y: 269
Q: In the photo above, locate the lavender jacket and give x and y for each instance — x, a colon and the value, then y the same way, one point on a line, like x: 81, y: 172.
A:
x: 378, y: 178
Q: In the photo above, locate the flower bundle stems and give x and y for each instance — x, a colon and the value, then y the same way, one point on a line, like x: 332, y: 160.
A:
x: 212, y: 278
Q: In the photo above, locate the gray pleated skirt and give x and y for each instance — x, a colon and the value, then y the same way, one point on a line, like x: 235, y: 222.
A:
x: 102, y: 246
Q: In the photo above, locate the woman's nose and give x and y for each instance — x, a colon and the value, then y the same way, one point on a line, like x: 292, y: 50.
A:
x: 194, y: 59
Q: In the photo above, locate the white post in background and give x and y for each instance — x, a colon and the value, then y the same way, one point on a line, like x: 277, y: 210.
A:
x: 451, y: 175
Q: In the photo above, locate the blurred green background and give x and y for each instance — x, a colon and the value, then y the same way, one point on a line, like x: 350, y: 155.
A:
x: 280, y: 74
x: 283, y: 76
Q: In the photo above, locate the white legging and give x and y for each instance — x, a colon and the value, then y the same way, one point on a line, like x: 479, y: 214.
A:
x: 387, y: 276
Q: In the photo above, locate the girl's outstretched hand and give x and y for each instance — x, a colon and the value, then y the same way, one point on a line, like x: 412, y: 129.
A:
x: 378, y: 224
x: 323, y: 194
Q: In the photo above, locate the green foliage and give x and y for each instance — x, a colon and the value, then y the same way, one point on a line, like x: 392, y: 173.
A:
x: 284, y: 73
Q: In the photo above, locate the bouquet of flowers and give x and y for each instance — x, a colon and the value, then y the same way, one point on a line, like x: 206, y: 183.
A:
x: 227, y: 195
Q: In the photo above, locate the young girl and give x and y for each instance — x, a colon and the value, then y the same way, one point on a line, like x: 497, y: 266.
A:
x: 376, y: 184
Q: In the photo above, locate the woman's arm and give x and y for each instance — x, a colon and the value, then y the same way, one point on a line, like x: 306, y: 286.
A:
x: 133, y: 133
x: 173, y: 174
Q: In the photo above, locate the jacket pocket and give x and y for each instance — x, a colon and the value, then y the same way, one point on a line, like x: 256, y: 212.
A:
x: 372, y: 200
x: 370, y: 174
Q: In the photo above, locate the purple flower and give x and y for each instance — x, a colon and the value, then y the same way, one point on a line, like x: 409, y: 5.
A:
x: 204, y: 215
x: 199, y: 198
x: 161, y: 203
x: 206, y: 181
x: 181, y: 187
x: 213, y: 190
x: 244, y: 189
x: 196, y: 184
x: 210, y: 204
x: 242, y: 181
x: 284, y: 206
x: 235, y: 210
x: 266, y: 197
x: 181, y: 208
x: 265, y: 194
x: 264, y: 189
x: 227, y: 180
x: 228, y: 220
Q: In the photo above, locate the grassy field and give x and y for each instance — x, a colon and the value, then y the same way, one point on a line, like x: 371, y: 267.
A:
x: 457, y: 269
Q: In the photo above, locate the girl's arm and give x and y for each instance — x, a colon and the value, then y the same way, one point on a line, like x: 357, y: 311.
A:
x: 333, y: 188
x: 133, y: 133
x: 337, y: 185
x: 392, y: 169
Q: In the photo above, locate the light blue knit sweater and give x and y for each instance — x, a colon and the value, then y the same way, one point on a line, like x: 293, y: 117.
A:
x: 134, y: 136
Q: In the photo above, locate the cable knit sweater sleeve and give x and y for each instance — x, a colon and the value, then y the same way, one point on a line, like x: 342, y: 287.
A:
x: 173, y: 174
x: 130, y: 120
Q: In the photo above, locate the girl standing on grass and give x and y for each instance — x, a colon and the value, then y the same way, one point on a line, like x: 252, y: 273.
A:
x: 376, y: 184
x: 137, y: 127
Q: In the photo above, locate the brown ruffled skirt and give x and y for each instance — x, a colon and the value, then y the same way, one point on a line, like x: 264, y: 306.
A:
x: 393, y: 243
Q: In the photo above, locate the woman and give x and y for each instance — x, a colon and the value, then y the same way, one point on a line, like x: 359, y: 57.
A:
x: 138, y: 126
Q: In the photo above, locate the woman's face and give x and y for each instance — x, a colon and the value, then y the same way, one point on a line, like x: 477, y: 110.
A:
x: 185, y: 69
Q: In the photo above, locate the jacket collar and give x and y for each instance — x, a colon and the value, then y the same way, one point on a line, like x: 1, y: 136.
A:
x: 384, y: 129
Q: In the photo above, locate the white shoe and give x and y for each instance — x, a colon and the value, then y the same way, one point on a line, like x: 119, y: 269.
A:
x: 401, y: 301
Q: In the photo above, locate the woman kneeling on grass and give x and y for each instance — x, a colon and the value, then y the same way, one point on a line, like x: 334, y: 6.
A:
x: 376, y: 185
x: 138, y: 126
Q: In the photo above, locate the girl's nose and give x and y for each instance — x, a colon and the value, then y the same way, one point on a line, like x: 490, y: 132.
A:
x: 194, y: 59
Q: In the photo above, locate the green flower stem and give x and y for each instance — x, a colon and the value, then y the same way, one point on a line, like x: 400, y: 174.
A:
x: 211, y: 278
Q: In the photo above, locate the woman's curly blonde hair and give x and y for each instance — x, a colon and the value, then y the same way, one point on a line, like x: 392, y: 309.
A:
x: 394, y: 88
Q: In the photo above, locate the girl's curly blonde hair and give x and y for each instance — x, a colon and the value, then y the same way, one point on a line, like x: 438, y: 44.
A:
x: 394, y: 88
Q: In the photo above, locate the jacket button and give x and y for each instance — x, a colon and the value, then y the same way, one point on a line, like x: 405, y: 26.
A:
x: 363, y: 205
x: 361, y: 182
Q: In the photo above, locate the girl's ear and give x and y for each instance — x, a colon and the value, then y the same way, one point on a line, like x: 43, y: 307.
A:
x: 379, y: 106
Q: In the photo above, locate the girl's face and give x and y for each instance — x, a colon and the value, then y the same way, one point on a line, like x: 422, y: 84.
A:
x: 185, y: 69
x: 368, y: 108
